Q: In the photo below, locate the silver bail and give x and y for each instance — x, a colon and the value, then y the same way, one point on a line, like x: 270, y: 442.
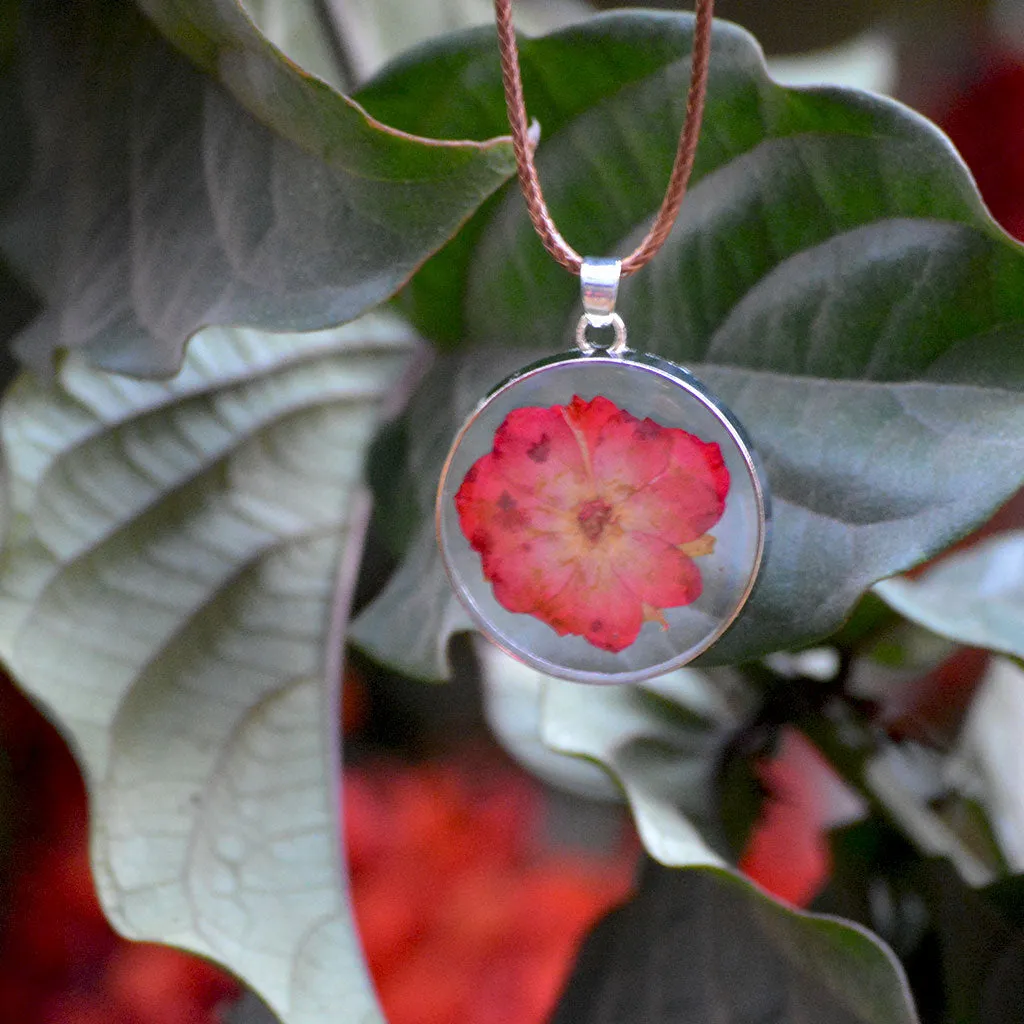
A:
x: 599, y: 284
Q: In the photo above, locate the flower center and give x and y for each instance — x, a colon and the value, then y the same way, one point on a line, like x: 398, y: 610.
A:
x: 593, y: 517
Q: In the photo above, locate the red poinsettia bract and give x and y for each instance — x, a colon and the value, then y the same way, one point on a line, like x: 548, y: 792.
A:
x: 589, y: 519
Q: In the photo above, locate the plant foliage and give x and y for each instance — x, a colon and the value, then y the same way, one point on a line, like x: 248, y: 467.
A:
x: 180, y: 554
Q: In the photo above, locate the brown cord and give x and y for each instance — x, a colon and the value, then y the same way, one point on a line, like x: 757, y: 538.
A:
x: 523, y: 147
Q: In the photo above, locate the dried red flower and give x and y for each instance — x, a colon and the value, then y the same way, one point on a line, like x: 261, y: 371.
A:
x: 589, y: 519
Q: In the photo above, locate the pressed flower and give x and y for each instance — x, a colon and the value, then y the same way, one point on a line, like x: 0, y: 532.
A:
x: 589, y: 518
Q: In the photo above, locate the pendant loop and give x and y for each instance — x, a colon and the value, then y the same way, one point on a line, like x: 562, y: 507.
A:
x: 613, y: 320
x: 599, y: 285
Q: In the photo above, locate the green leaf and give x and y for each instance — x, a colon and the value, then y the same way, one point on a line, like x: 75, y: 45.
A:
x: 962, y: 946
x: 833, y: 277
x: 161, y: 204
x: 174, y: 593
x: 222, y: 37
x: 906, y: 781
x: 418, y: 605
x: 409, y: 624
x: 661, y: 742
x: 975, y: 597
x: 815, y: 27
x: 374, y: 31
x: 701, y: 946
x: 512, y: 698
x: 420, y: 648
x: 866, y: 626
x: 981, y: 948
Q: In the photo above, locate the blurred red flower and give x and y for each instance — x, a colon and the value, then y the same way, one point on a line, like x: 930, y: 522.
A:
x: 987, y: 125
x: 589, y: 518
x: 464, y: 912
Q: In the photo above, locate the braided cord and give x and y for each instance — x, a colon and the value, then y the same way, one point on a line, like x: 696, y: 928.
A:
x: 523, y: 147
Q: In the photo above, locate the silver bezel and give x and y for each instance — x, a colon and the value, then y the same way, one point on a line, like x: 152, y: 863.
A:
x: 681, y: 378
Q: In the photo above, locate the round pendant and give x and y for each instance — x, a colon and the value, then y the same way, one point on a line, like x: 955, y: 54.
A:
x: 602, y: 518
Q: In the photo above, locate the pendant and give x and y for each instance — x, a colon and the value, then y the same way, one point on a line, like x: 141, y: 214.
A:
x: 600, y: 515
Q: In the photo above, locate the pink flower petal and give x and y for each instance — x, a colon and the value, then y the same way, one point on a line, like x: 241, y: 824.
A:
x: 596, y: 606
x: 525, y: 547
x: 536, y: 449
x: 701, y: 459
x: 588, y: 419
x: 530, y: 576
x: 657, y: 573
x: 686, y: 501
x: 494, y: 510
x: 490, y: 506
x: 675, y: 507
x: 629, y: 453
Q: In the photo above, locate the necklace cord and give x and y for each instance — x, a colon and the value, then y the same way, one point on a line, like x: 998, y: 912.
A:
x: 523, y: 146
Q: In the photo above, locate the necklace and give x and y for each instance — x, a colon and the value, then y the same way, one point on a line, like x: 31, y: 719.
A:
x: 601, y: 515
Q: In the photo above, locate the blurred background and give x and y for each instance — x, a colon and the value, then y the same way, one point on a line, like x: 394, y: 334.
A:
x: 525, y: 869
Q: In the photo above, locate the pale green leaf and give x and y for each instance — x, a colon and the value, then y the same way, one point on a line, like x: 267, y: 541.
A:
x: 867, y: 61
x: 374, y: 31
x: 904, y: 781
x: 415, y: 645
x: 174, y: 593
x: 663, y: 753
x: 975, y: 597
x: 989, y: 762
x: 661, y: 741
x: 512, y: 708
x: 301, y: 31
